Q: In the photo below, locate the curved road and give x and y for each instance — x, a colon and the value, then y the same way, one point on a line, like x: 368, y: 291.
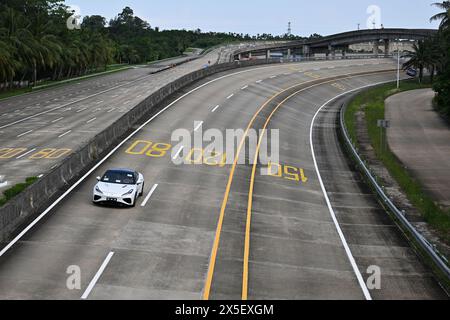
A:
x: 213, y: 231
x: 40, y: 129
x: 416, y: 126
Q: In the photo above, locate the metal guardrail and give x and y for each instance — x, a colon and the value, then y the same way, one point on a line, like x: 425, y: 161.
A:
x: 423, y: 243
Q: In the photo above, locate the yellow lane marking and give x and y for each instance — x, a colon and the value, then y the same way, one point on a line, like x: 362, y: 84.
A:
x: 210, y: 275
x: 251, y: 189
x: 250, y: 200
x: 212, y: 264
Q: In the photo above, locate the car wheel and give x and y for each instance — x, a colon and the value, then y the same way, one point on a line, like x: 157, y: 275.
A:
x: 142, y: 190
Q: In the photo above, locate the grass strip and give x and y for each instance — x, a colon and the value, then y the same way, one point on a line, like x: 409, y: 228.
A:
x: 13, y: 191
x: 372, y: 102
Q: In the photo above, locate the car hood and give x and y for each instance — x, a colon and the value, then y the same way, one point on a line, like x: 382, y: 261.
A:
x: 114, y: 188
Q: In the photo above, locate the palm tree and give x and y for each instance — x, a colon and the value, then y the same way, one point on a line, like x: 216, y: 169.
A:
x: 442, y: 16
x: 433, y: 56
x: 419, y: 58
x: 7, y: 67
x: 19, y: 40
x: 47, y: 47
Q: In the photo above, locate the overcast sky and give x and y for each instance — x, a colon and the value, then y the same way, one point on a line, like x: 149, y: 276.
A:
x: 265, y: 16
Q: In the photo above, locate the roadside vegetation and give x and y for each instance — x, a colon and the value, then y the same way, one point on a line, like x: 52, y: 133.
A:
x: 373, y: 102
x: 434, y: 55
x: 13, y: 191
x: 36, y: 44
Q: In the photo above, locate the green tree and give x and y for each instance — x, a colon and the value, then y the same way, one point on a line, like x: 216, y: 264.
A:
x: 418, y: 58
x: 442, y: 83
x: 442, y: 16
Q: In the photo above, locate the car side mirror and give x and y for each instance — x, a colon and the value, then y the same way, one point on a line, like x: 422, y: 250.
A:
x: 98, y: 178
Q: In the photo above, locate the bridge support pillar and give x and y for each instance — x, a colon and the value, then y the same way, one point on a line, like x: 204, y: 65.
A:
x: 306, y: 51
x: 268, y: 55
x: 387, y: 47
x: 331, y: 51
x: 239, y: 57
x: 375, y: 48
x: 250, y: 55
x: 289, y: 54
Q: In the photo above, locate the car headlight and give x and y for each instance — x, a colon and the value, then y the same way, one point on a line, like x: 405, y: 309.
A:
x: 98, y: 190
x: 129, y: 192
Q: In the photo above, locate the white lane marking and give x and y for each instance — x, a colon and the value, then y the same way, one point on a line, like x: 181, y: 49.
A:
x: 22, y: 134
x: 26, y: 153
x: 101, y: 101
x: 151, y: 192
x: 230, y: 96
x: 59, y: 119
x: 115, y: 96
x: 127, y: 102
x: 331, y: 67
x: 93, y: 119
x: 97, y: 276
x: 40, y: 176
x: 73, y: 102
x: 113, y: 151
x: 259, y: 81
x: 361, y: 282
x: 178, y: 153
x: 215, y: 108
x: 111, y: 110
x: 198, y: 126
x: 245, y: 87
x: 273, y: 77
x: 3, y: 184
x: 81, y: 110
x: 64, y: 134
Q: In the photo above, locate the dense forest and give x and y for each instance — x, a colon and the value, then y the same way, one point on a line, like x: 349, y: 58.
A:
x: 36, y: 44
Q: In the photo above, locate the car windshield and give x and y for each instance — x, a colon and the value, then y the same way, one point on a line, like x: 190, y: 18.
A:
x: 119, y: 177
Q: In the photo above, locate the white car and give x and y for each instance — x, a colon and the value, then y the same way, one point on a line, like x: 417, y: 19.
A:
x: 119, y: 186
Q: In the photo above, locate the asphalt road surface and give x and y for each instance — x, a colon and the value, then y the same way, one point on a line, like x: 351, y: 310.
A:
x: 216, y: 231
x: 38, y: 130
x: 420, y: 139
x: 371, y: 234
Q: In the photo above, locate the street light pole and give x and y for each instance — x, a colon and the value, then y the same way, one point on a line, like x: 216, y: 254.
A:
x: 398, y: 65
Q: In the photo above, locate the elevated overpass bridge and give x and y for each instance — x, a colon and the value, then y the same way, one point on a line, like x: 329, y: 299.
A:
x: 330, y: 44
